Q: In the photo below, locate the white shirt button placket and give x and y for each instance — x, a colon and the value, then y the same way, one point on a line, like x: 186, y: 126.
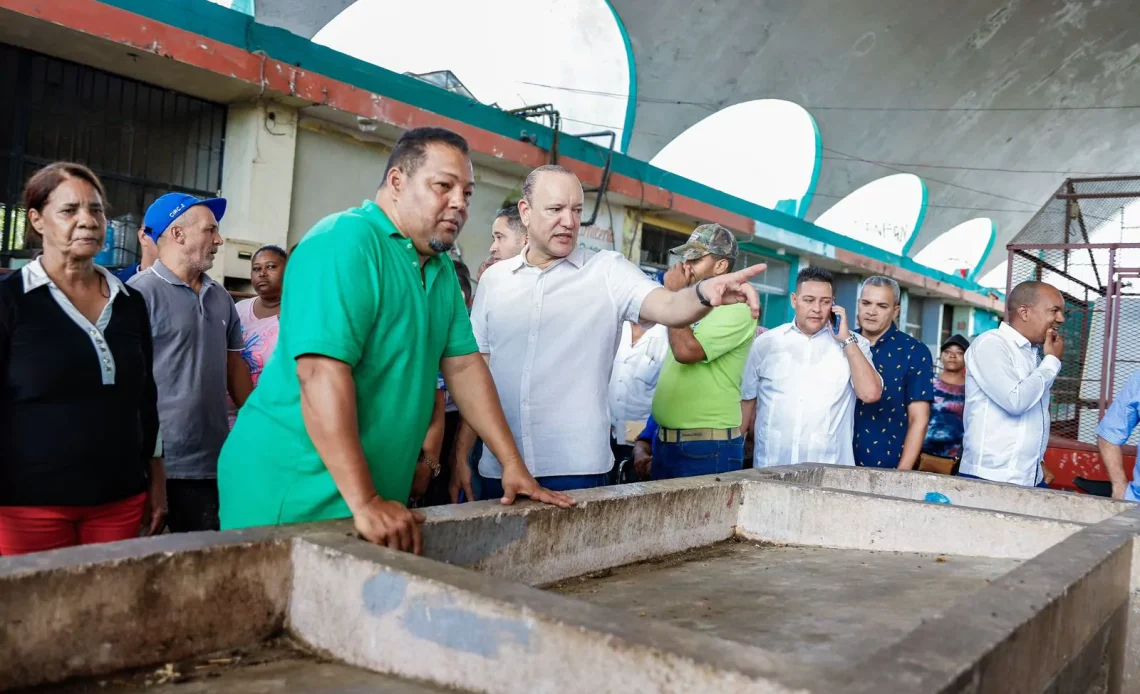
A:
x: 532, y: 340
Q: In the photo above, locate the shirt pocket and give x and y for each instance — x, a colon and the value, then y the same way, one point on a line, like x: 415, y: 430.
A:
x: 647, y: 370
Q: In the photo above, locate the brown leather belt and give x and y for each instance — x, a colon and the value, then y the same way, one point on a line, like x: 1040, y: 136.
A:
x: 684, y: 435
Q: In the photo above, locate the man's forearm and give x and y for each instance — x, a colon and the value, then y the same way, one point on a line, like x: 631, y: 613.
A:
x: 473, y: 389
x: 747, y: 416
x: 674, y: 309
x: 686, y: 348
x: 328, y: 408
x: 238, y: 380
x: 433, y: 441
x: 464, y: 443
x: 917, y: 421
x: 868, y: 386
x: 1113, y: 458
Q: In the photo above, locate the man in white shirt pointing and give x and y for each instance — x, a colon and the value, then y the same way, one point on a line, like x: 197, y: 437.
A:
x: 802, y: 378
x: 549, y: 320
x: 1007, y: 390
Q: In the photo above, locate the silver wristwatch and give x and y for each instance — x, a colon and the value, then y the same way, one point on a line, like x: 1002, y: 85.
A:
x: 851, y: 339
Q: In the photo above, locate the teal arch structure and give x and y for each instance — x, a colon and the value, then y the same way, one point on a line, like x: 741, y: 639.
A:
x: 921, y: 218
x: 631, y: 102
x: 973, y: 276
x: 805, y: 201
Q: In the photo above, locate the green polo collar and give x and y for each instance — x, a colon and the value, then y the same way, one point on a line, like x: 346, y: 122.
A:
x: 431, y: 268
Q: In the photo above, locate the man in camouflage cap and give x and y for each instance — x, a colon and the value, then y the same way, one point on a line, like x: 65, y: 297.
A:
x: 697, y: 401
x: 709, y: 239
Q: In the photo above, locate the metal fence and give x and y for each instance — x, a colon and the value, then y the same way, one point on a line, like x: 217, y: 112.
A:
x: 142, y: 141
x: 1086, y: 242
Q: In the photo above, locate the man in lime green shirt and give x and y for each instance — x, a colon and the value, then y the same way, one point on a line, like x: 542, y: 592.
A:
x: 697, y: 401
x: 371, y: 311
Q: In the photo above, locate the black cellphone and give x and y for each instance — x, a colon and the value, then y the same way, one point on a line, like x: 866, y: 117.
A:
x: 834, y: 323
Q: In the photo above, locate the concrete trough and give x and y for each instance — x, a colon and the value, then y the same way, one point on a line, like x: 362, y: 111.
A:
x: 811, y: 579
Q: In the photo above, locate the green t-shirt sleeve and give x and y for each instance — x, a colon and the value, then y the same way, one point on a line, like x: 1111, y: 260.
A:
x: 725, y: 329
x: 331, y: 296
x: 460, y: 338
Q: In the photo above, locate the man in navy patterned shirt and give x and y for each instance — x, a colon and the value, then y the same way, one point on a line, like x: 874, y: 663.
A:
x: 889, y: 433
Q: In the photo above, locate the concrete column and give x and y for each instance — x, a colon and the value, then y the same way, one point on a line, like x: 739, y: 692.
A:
x: 257, y: 180
x: 932, y: 323
x: 847, y: 294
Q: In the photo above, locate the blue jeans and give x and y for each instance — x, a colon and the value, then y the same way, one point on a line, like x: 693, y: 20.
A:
x: 1039, y: 485
x: 693, y: 458
x: 493, y: 488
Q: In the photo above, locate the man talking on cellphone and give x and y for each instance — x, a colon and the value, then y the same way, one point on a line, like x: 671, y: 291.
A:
x: 802, y: 379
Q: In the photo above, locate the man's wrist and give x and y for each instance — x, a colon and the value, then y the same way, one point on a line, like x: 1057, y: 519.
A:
x: 512, y: 463
x: 431, y: 462
x: 700, y: 295
x: 358, y: 503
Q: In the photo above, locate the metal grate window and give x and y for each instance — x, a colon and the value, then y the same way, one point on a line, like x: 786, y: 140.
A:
x: 655, y: 245
x: 143, y: 141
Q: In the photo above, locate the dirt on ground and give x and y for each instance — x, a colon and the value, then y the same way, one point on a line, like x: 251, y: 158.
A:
x: 199, y: 669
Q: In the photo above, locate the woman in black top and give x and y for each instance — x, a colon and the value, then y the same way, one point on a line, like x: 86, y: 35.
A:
x: 78, y: 419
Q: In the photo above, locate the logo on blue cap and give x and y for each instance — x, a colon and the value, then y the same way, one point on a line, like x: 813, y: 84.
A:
x: 167, y: 208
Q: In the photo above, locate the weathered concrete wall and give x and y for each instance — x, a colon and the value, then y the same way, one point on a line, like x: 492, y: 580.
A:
x: 257, y: 181
x: 609, y: 527
x: 332, y: 172
x: 960, y: 492
x: 101, y: 608
x: 792, y: 514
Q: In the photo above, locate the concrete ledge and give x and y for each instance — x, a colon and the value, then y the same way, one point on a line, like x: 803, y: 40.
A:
x: 1045, y: 503
x: 1026, y: 632
x: 537, y: 544
x: 407, y: 616
x: 97, y: 609
x: 787, y: 513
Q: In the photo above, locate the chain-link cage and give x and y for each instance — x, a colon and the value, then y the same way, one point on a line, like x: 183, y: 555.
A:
x: 1086, y: 243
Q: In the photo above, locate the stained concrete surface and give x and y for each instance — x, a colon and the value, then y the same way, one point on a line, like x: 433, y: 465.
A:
x: 824, y: 607
x: 276, y: 666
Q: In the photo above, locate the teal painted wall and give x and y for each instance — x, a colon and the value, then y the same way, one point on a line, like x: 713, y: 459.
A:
x: 984, y: 320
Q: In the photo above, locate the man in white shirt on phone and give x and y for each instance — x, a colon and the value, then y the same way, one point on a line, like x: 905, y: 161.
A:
x: 802, y: 379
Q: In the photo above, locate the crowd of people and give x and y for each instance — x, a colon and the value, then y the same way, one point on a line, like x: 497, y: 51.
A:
x: 367, y: 376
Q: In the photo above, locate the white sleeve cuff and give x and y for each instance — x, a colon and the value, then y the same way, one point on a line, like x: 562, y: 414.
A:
x: 1051, y: 364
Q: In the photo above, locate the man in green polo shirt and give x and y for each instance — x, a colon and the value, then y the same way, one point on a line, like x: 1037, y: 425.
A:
x: 370, y: 313
x: 697, y: 401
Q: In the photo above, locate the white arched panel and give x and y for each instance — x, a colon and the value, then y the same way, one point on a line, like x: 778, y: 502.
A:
x: 885, y: 213
x: 765, y: 151
x: 997, y: 277
x: 962, y: 250
x: 582, y: 67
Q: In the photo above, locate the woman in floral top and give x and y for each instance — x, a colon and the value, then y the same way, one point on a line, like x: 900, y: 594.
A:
x: 260, y: 314
x: 944, y: 433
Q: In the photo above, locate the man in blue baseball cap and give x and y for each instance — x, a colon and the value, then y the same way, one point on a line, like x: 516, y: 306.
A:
x: 148, y: 253
x: 197, y: 352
